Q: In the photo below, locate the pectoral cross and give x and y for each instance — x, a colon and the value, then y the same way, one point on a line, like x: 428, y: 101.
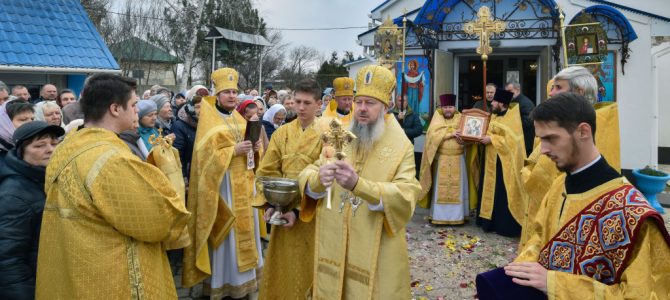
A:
x: 338, y: 138
x: 484, y: 26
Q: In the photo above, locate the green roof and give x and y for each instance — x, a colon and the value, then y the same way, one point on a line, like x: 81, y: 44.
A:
x: 136, y: 49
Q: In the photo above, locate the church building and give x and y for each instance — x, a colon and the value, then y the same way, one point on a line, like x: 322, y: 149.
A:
x: 441, y: 58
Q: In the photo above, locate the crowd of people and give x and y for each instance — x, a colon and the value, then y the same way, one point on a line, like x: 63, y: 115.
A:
x: 89, y: 209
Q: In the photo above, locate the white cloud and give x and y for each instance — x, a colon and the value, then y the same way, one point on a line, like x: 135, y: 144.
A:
x: 319, y: 14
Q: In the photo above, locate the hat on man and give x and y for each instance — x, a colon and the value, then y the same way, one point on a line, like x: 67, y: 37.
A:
x: 225, y: 79
x: 344, y: 86
x: 376, y: 82
x: 503, y: 96
x: 33, y: 128
x: 448, y: 100
x: 145, y: 107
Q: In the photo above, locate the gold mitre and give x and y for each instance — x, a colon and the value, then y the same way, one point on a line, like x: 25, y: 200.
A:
x: 225, y: 79
x: 344, y: 86
x: 376, y: 82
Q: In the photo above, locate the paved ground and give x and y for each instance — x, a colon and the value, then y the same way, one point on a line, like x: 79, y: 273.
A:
x: 444, y: 260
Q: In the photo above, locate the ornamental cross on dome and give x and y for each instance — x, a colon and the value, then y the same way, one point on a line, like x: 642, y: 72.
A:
x: 483, y: 27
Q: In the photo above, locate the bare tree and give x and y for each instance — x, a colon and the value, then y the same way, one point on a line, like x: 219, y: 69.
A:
x: 302, y: 62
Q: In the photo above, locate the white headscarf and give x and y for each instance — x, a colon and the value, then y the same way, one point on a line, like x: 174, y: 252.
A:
x: 39, y: 111
x: 270, y: 114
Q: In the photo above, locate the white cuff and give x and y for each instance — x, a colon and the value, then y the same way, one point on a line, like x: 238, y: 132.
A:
x: 378, y: 207
x: 314, y: 195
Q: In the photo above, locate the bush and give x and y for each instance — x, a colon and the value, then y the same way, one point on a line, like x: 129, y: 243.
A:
x: 653, y: 172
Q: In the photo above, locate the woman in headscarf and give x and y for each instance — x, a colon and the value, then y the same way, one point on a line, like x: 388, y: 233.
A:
x: 164, y: 116
x: 261, y: 106
x: 274, y: 118
x: 147, y: 114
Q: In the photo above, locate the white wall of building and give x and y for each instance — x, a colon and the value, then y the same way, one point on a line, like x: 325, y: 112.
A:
x: 634, y: 90
x: 661, y: 71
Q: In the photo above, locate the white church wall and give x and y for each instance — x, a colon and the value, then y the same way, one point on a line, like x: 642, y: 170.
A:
x: 661, y: 71
x: 634, y: 89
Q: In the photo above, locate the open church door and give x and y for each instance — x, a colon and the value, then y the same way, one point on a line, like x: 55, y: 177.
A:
x: 443, y: 77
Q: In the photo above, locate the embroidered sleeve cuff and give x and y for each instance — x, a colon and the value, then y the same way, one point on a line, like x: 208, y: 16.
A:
x: 314, y: 195
x: 368, y: 191
x: 315, y: 185
x: 377, y: 207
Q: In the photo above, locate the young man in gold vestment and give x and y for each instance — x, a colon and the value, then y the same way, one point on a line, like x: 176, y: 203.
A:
x: 225, y: 235
x: 595, y: 236
x: 108, y: 215
x: 540, y: 171
x: 360, y: 246
x: 289, y: 260
x: 341, y: 106
x: 444, y: 177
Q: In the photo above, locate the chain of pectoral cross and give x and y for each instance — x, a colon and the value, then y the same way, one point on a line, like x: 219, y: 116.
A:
x: 349, y: 195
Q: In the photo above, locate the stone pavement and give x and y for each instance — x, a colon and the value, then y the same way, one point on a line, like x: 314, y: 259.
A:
x: 444, y: 260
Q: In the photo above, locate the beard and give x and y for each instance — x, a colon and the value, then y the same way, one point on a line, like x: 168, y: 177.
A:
x: 366, y: 134
x: 574, y: 153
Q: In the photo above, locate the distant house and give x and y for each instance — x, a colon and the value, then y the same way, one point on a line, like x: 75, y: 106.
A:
x: 146, y: 62
x: 50, y: 41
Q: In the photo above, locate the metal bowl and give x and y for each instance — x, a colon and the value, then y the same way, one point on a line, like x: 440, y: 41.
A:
x: 279, y: 191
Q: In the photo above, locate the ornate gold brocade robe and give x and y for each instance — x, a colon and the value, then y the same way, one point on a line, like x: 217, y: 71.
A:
x: 289, y: 259
x: 446, y: 193
x: 331, y: 112
x: 105, y: 223
x: 213, y: 219
x: 507, y: 146
x: 363, y: 254
x: 540, y: 171
x: 647, y: 270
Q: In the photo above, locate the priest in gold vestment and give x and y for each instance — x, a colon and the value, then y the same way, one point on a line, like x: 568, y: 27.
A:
x: 595, y: 236
x: 340, y: 107
x: 540, y: 171
x: 500, y: 210
x: 224, y: 229
x: 108, y: 215
x: 289, y: 260
x: 360, y: 246
x: 444, y: 177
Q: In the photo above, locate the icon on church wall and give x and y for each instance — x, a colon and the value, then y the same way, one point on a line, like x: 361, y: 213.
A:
x: 512, y: 76
x: 586, y: 45
x: 586, y: 41
x: 415, y: 88
x: 606, y: 74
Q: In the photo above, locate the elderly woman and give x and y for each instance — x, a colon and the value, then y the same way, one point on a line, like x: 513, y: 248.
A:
x: 65, y: 97
x: 274, y: 118
x: 164, y: 119
x: 49, y: 111
x: 261, y: 106
x: 21, y: 206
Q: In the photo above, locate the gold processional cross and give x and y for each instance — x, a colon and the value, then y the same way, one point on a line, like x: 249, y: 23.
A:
x: 338, y: 138
x: 484, y: 27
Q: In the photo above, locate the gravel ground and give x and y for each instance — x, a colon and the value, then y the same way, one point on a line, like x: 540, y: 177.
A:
x: 444, y: 260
